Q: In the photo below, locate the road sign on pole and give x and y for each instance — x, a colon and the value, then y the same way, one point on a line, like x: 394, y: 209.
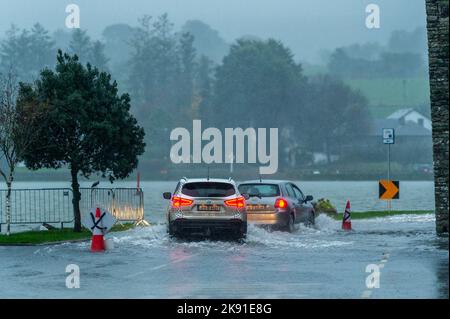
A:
x: 388, y: 139
x: 389, y: 136
x: 389, y: 189
x: 105, y: 222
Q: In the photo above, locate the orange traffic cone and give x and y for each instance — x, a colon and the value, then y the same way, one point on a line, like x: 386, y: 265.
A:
x: 98, y: 243
x: 346, y: 221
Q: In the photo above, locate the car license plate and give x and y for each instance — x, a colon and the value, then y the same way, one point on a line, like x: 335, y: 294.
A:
x: 257, y: 207
x: 208, y: 207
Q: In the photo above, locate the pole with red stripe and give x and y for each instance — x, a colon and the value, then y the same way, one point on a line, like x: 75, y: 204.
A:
x: 98, y: 243
x: 346, y: 221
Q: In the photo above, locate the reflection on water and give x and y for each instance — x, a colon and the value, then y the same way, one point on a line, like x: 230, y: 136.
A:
x: 318, y: 262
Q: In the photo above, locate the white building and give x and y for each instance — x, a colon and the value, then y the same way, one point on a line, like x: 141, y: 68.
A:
x: 405, y: 116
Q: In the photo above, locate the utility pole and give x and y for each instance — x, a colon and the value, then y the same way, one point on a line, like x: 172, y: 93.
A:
x: 389, y: 139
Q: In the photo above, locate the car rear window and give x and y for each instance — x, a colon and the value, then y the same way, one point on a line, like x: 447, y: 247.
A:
x: 208, y: 189
x: 260, y: 190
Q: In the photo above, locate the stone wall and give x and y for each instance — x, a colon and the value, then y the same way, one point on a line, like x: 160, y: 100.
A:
x: 437, y: 25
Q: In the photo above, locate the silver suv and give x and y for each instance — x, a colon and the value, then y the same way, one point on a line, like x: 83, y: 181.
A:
x: 206, y: 207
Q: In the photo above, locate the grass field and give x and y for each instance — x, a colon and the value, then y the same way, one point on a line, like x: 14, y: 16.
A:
x: 378, y: 214
x: 54, y: 235
x: 385, y: 95
x: 388, y: 95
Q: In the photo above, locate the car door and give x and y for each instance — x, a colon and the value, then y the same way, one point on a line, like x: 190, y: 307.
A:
x: 293, y: 201
x: 303, y: 208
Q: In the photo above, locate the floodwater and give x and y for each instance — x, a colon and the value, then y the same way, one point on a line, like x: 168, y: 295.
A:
x: 320, y: 262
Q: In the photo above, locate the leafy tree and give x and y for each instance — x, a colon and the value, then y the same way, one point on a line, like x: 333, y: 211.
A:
x: 401, y: 65
x: 87, y: 126
x: 336, y: 115
x: 117, y: 38
x: 187, y: 71
x: 97, y: 56
x: 80, y: 44
x: 207, y: 41
x: 26, y: 52
x: 204, y: 87
x: 161, y: 78
x: 387, y: 64
x: 258, y: 84
x: 62, y: 39
x: 92, y: 52
x: 414, y: 41
x: 41, y: 48
x: 154, y: 63
x: 15, y: 135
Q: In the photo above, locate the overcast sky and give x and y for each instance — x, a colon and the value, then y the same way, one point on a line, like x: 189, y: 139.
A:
x: 306, y: 26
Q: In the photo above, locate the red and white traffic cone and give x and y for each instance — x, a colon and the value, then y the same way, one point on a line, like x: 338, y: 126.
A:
x: 98, y: 243
x: 346, y: 221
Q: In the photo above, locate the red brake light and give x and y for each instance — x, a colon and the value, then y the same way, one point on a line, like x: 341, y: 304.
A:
x: 281, y: 203
x: 237, y: 202
x: 181, y: 202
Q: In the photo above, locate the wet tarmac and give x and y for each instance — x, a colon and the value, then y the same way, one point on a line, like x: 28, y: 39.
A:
x: 319, y: 262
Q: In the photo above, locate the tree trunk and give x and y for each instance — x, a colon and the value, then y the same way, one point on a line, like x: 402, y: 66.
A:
x: 8, y: 202
x: 76, y: 200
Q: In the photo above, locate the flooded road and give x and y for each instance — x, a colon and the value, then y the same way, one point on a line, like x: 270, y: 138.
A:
x: 320, y: 262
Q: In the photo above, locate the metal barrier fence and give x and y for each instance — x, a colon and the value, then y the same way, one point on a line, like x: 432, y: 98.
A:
x: 125, y: 204
x: 54, y: 205
x: 37, y: 206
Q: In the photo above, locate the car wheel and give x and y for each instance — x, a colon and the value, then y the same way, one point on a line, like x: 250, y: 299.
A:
x: 240, y: 236
x: 241, y: 233
x: 290, y: 227
x: 310, y: 220
x: 170, y: 230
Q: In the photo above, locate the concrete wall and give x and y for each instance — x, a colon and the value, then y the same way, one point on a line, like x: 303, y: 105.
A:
x: 437, y: 25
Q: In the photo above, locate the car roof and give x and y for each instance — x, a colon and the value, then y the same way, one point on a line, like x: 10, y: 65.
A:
x: 265, y: 181
x: 205, y: 179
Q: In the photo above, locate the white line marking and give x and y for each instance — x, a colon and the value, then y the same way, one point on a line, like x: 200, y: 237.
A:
x: 175, y: 261
x: 366, y: 294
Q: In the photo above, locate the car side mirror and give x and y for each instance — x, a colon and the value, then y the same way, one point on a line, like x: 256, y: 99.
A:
x: 308, y: 198
x: 246, y: 196
x: 167, y: 195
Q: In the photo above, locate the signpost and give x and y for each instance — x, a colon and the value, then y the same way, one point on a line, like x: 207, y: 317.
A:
x: 389, y: 189
x: 104, y: 223
x: 388, y: 139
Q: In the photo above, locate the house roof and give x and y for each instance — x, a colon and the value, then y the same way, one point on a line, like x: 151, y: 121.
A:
x: 400, y: 113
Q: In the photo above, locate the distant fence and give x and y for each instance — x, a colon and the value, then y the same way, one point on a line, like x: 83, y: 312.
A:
x: 54, y: 205
x: 37, y: 206
x: 126, y: 204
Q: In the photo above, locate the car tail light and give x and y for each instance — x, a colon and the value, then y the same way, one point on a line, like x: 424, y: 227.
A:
x: 281, y: 203
x: 181, y: 202
x: 237, y: 202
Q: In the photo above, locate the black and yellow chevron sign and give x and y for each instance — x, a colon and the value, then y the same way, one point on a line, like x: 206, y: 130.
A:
x: 389, y: 189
